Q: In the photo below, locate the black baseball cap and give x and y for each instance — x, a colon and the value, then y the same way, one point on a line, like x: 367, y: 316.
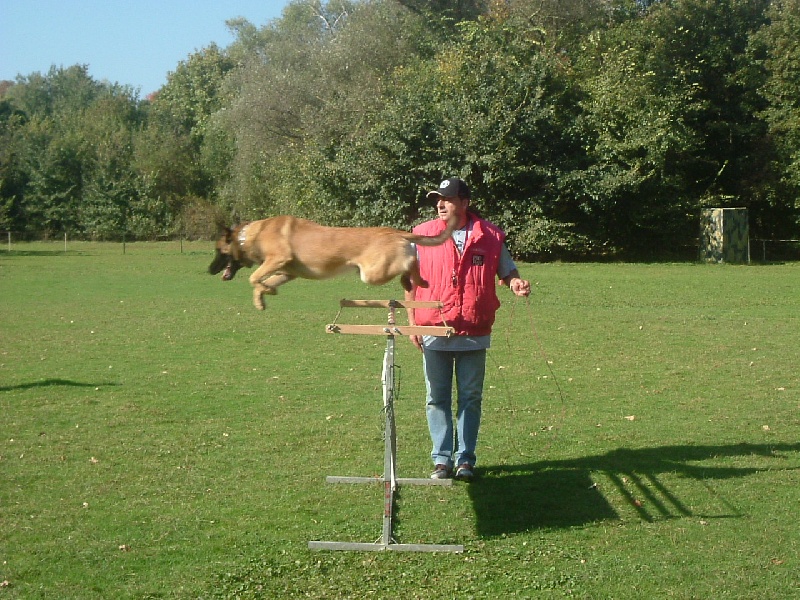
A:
x: 451, y: 188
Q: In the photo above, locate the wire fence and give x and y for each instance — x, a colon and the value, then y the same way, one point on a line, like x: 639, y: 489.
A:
x: 9, y: 240
x: 774, y: 250
x: 761, y: 250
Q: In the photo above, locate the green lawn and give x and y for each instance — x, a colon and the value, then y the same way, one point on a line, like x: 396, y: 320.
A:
x: 163, y: 439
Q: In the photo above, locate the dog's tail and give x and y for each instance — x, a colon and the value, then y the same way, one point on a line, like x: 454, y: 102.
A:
x: 434, y: 240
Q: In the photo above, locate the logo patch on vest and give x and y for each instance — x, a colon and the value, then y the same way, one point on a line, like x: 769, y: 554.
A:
x: 477, y: 260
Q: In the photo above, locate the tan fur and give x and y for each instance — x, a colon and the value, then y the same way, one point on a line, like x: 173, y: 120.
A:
x: 288, y: 247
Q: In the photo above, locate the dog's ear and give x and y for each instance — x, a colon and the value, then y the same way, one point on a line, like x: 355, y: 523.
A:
x: 221, y: 226
x: 224, y: 233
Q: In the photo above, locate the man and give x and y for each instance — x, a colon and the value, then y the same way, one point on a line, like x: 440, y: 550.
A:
x: 460, y: 273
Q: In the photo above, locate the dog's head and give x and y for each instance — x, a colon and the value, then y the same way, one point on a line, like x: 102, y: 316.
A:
x: 227, y: 255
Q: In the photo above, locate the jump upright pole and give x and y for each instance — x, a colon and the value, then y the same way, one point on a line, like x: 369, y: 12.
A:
x: 389, y: 480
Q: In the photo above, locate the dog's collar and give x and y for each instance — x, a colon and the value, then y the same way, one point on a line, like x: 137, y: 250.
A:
x: 242, y: 235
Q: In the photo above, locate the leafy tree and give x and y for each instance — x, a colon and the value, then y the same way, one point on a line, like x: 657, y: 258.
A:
x: 109, y: 189
x: 193, y: 92
x: 12, y: 176
x: 316, y: 78
x: 671, y: 119
x: 60, y: 91
x: 492, y: 107
x: 565, y: 24
x: 52, y: 158
x: 48, y: 149
x: 637, y: 138
x: 776, y: 48
x: 67, y: 163
x: 584, y: 126
x: 174, y: 170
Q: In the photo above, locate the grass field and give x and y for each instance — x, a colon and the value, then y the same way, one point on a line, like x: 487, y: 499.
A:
x: 163, y: 439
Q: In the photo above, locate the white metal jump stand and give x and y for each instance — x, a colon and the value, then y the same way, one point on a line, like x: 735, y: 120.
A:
x: 389, y: 479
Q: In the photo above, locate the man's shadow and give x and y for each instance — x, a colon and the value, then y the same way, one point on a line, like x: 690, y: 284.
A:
x: 558, y: 494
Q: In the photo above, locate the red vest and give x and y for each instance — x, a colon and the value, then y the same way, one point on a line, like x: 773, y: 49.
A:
x: 464, y: 283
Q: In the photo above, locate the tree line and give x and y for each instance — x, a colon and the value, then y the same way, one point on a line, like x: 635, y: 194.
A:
x: 585, y: 127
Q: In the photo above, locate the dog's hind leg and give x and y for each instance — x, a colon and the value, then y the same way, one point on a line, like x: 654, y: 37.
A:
x: 273, y: 282
x: 412, y: 276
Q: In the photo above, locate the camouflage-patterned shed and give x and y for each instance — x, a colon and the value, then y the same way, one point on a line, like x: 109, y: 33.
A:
x: 724, y: 235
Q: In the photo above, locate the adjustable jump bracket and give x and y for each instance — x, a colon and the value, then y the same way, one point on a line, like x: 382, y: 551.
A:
x: 389, y: 480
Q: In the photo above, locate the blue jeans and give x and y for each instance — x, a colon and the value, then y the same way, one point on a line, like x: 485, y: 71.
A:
x: 470, y: 368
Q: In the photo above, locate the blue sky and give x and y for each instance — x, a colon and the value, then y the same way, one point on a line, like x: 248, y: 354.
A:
x: 134, y: 42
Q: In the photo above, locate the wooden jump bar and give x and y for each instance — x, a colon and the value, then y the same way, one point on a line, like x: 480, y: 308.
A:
x: 390, y: 329
x: 390, y: 303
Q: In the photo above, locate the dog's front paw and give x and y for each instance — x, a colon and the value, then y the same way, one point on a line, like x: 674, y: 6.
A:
x: 258, y: 300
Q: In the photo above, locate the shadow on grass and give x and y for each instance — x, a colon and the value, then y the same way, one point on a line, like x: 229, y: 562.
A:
x: 19, y: 253
x: 559, y: 494
x: 53, y: 383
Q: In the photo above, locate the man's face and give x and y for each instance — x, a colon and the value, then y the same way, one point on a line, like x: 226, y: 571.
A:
x: 446, y: 207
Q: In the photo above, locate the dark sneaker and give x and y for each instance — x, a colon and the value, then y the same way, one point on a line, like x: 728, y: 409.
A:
x: 441, y: 472
x: 464, y: 472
